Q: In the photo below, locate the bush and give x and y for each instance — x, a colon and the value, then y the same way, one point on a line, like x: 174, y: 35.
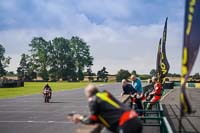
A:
x: 144, y: 77
x: 122, y: 74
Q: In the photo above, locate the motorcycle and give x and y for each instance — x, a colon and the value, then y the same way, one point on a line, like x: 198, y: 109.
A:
x: 47, y: 95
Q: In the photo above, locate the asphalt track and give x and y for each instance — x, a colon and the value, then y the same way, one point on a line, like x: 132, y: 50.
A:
x: 171, y: 106
x: 29, y: 114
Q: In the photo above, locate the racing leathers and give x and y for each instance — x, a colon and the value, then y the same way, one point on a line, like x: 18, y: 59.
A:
x: 47, y: 87
x: 115, y: 116
x: 157, y: 93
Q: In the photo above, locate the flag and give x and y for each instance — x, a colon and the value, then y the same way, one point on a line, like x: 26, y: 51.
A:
x: 191, y: 44
x: 164, y: 64
x: 158, y: 69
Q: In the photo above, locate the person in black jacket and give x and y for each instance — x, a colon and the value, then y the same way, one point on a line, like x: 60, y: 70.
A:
x: 108, y: 111
x: 127, y: 88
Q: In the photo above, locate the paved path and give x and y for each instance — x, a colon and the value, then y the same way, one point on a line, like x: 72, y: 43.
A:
x: 191, y: 123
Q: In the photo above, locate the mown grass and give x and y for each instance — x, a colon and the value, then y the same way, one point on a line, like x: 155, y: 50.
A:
x: 36, y: 88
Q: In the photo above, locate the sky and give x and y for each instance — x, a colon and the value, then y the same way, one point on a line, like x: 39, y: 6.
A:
x: 122, y: 34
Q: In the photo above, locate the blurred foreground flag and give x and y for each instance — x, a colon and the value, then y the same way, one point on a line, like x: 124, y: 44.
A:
x: 190, y: 50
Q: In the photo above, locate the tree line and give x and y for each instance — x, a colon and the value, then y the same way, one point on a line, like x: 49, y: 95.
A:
x: 4, y: 61
x: 57, y: 59
x: 125, y: 74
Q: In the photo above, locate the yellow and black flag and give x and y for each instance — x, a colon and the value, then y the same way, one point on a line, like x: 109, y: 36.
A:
x: 191, y: 44
x: 158, y: 69
x: 164, y: 64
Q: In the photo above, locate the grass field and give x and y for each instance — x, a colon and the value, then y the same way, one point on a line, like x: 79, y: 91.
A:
x: 36, y: 88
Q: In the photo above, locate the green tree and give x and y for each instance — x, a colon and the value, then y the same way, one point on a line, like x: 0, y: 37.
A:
x: 153, y: 72
x: 134, y: 72
x: 4, y: 61
x: 122, y: 74
x: 62, y: 65
x: 80, y: 75
x: 40, y: 54
x: 196, y: 76
x: 102, y: 75
x: 80, y: 52
x: 22, y: 67
x: 25, y: 71
x: 10, y: 73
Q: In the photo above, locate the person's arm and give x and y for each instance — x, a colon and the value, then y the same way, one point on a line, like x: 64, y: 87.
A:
x: 123, y: 89
x: 156, y: 88
x: 50, y: 88
x: 152, y: 93
x: 43, y: 89
x: 91, y: 119
x: 93, y: 105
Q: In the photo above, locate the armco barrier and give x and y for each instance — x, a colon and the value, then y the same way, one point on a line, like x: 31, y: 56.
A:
x: 189, y: 84
x: 11, y: 83
x: 168, y: 85
x: 162, y: 122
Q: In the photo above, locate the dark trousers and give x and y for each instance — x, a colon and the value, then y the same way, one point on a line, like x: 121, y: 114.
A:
x: 139, y: 105
x: 131, y: 126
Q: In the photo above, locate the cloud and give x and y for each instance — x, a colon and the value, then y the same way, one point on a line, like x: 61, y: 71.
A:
x: 122, y: 34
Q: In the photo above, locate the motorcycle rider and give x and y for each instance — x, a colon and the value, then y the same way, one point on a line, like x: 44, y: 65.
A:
x: 108, y: 111
x: 47, y: 87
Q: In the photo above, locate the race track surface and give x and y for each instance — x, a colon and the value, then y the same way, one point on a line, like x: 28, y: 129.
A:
x: 171, y: 106
x: 29, y: 114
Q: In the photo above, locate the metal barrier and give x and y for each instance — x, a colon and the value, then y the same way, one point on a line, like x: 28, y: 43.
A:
x: 162, y: 123
x: 155, y: 115
x: 156, y: 118
x: 11, y: 83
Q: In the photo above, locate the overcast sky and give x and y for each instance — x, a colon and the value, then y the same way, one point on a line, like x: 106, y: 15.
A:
x: 121, y: 33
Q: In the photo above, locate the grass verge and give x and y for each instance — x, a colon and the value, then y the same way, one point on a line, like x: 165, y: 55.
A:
x: 36, y: 88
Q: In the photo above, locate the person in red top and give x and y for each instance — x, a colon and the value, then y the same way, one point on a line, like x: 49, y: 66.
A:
x: 156, y: 93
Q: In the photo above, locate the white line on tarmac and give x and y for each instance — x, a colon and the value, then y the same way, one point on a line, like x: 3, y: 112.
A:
x: 55, y: 122
x: 45, y: 112
x: 11, y: 111
x: 65, y: 106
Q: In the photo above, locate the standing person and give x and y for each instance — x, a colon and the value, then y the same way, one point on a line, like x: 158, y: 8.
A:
x: 156, y: 93
x: 137, y: 85
x: 108, y: 111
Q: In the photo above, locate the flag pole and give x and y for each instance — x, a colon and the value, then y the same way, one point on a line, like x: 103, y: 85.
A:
x: 180, y: 121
